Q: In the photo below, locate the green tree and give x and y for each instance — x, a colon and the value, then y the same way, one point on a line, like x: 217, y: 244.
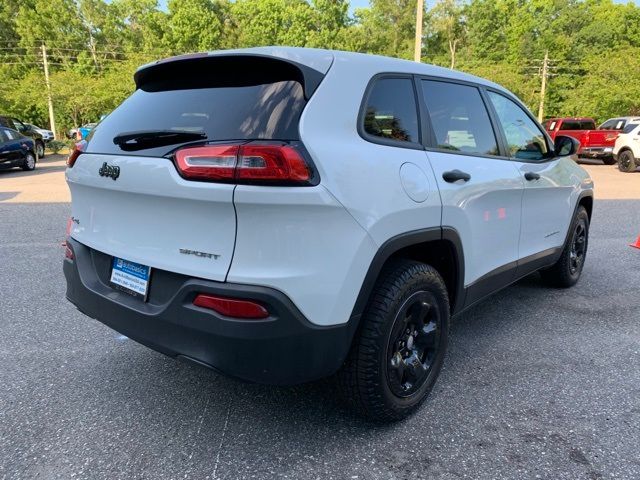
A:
x: 195, y: 25
x: 609, y: 85
x: 445, y: 19
x: 387, y: 28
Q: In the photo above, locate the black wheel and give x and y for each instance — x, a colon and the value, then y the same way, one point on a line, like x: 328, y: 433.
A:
x: 626, y: 161
x: 40, y: 149
x: 566, y: 271
x: 398, y: 351
x: 29, y: 162
x: 608, y: 161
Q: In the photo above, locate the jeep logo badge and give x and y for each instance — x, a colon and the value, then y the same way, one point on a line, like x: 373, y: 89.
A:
x: 107, y: 170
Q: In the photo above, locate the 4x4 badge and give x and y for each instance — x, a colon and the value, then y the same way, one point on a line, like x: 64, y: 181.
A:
x: 107, y: 170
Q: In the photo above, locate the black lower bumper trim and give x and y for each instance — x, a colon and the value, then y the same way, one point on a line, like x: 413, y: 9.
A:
x: 283, y: 349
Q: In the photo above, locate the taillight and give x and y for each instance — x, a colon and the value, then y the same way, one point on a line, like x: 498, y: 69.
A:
x: 78, y: 148
x: 216, y: 162
x: 247, y: 164
x: 231, y: 307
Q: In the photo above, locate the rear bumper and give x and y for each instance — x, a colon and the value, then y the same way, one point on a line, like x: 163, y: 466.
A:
x: 596, y: 152
x: 283, y: 349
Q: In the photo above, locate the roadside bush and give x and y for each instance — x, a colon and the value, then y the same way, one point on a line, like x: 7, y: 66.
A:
x: 56, y: 146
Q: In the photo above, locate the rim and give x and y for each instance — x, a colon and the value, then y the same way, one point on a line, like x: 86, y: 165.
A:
x: 578, y: 248
x: 625, y: 160
x: 413, y: 344
x: 40, y: 150
x: 31, y: 162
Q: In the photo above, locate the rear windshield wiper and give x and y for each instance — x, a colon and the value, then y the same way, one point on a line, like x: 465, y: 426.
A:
x: 142, y: 139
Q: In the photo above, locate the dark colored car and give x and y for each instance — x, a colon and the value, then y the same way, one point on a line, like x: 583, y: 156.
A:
x: 25, y: 129
x: 16, y: 150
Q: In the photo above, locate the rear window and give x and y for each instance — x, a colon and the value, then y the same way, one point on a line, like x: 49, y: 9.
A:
x: 244, y: 104
x: 577, y: 125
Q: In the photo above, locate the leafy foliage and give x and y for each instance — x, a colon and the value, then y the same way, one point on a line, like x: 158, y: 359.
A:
x: 94, y: 46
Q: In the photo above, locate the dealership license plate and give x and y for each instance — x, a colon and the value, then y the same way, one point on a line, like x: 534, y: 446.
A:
x: 130, y: 277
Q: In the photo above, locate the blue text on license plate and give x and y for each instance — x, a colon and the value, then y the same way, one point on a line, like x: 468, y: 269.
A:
x: 132, y: 277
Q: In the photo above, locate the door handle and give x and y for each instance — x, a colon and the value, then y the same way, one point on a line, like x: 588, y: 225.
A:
x: 455, y: 175
x: 531, y: 176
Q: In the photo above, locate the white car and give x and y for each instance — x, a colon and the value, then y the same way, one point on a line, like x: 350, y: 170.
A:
x: 47, y: 135
x: 627, y: 148
x: 283, y: 214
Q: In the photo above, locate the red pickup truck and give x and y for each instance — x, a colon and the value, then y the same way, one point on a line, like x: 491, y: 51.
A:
x: 593, y: 143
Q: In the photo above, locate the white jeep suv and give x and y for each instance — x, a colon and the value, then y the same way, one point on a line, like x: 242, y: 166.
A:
x: 627, y: 148
x: 283, y: 214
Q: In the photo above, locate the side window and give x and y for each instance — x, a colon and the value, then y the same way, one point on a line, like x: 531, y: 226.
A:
x: 459, y: 118
x: 525, y: 139
x: 608, y: 125
x: 19, y: 126
x: 630, y: 127
x: 587, y: 125
x: 391, y: 111
x: 10, y: 134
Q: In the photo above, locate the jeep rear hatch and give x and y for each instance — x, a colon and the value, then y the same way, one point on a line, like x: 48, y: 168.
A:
x: 158, y: 210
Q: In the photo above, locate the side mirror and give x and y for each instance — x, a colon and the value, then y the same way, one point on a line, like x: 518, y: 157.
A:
x: 566, y: 146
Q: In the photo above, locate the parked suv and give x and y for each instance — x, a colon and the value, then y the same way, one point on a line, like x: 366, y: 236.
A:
x: 26, y: 130
x: 282, y: 215
x: 627, y: 148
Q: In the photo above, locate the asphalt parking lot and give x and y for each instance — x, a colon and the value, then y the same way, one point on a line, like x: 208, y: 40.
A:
x: 538, y: 383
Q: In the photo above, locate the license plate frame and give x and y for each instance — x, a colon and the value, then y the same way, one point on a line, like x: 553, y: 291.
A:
x: 130, y: 277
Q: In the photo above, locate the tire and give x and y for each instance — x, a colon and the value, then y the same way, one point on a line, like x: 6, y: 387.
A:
x: 566, y: 271
x: 608, y: 161
x: 398, y: 351
x: 40, y: 149
x: 29, y: 162
x: 626, y: 161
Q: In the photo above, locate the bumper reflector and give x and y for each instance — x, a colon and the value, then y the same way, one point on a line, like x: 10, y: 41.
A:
x: 230, y: 307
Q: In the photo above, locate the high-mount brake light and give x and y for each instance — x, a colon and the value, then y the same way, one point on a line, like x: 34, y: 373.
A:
x: 78, y: 149
x: 247, y: 164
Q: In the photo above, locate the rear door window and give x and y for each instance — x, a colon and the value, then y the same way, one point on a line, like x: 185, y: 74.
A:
x: 459, y: 118
x: 221, y: 106
x: 587, y: 125
x: 391, y: 112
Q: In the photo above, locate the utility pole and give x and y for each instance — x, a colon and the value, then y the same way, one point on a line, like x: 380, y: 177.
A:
x: 52, y: 120
x: 417, y: 53
x: 543, y: 87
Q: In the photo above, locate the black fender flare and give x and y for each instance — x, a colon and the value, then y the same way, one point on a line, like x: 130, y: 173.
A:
x: 404, y: 240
